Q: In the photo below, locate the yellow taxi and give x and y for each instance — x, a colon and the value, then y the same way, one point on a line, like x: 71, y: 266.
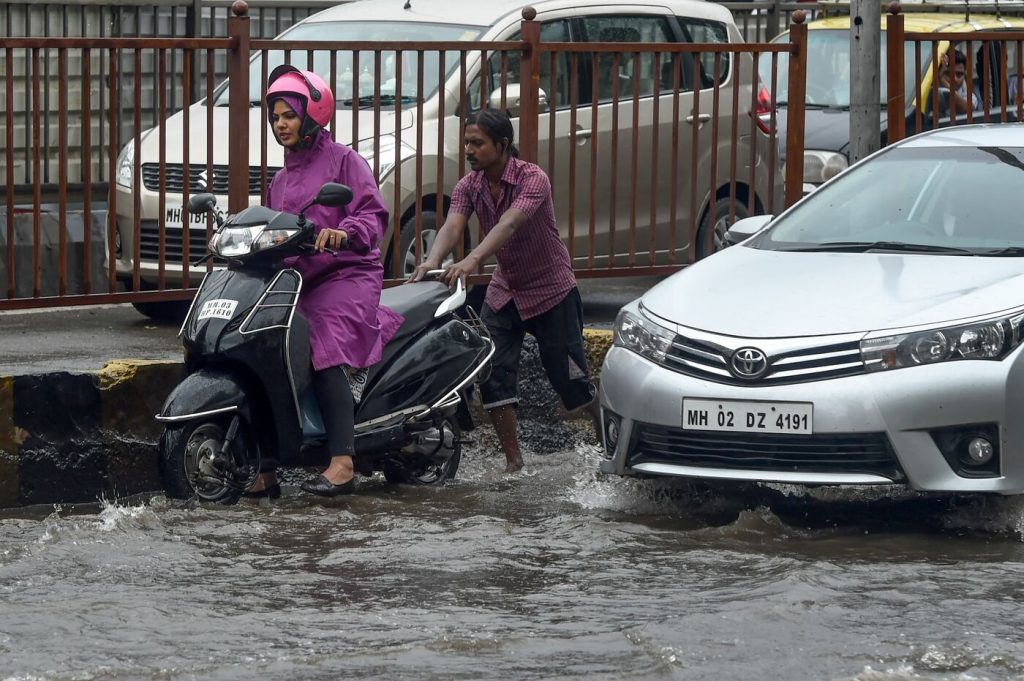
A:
x: 979, y: 97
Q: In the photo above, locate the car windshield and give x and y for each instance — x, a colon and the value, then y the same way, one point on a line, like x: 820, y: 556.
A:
x: 959, y: 200
x: 350, y: 85
x: 828, y: 68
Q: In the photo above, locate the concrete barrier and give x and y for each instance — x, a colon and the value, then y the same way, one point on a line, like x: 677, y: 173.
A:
x: 77, y: 437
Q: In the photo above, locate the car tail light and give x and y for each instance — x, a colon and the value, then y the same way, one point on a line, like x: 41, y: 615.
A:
x: 763, y: 113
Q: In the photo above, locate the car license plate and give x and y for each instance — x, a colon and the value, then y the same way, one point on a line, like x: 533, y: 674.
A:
x: 736, y: 416
x: 174, y: 214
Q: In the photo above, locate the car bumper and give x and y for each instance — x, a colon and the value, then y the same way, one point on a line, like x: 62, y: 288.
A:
x: 899, y: 412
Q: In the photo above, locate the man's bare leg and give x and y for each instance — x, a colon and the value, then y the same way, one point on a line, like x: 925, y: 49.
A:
x: 505, y: 422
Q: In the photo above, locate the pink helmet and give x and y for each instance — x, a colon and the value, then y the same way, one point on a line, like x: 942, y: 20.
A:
x: 314, y: 91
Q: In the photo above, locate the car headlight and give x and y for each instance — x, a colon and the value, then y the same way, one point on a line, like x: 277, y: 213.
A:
x: 642, y: 336
x: 820, y: 166
x: 387, y: 153
x: 993, y: 339
x: 126, y: 164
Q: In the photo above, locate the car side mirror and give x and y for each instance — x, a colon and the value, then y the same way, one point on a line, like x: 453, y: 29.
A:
x: 201, y: 203
x: 741, y: 230
x: 333, y: 194
x: 513, y: 94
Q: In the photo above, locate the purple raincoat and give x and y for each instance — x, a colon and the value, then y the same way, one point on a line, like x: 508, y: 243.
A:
x: 341, y: 293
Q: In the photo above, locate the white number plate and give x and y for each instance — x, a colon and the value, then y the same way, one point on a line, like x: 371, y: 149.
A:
x: 173, y: 218
x: 735, y: 416
x: 219, y: 308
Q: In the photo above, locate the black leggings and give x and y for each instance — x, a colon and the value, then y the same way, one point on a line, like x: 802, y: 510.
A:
x: 338, y: 409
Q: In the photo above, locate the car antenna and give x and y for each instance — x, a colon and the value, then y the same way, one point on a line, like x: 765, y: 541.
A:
x: 407, y: 5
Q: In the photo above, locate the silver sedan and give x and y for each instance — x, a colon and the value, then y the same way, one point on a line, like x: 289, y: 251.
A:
x: 868, y: 335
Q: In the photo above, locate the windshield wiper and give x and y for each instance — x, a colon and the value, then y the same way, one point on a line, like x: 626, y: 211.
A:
x: 1009, y: 251
x: 864, y: 246
x: 385, y: 100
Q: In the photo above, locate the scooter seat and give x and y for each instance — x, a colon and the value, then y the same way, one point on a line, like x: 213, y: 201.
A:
x: 416, y: 302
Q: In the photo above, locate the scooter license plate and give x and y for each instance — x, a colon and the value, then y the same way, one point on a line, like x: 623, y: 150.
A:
x: 218, y: 308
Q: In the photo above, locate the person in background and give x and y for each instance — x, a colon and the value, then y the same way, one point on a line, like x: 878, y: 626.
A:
x: 952, y: 79
x: 533, y: 288
x: 340, y: 298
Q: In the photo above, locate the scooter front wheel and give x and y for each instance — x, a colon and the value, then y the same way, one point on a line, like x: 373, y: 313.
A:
x: 195, y: 462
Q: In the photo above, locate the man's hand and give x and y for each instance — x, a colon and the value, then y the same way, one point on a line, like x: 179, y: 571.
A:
x: 461, y: 270
x: 422, y: 269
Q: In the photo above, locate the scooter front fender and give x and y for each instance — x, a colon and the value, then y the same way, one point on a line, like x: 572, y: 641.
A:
x: 205, y: 393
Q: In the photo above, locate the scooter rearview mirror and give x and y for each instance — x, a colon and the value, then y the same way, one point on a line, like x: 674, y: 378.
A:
x: 201, y: 203
x: 333, y: 194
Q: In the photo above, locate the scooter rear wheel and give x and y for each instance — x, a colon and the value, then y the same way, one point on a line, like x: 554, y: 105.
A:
x: 405, y: 470
x: 192, y: 465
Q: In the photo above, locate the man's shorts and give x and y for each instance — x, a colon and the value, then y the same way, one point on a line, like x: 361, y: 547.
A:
x: 559, y: 334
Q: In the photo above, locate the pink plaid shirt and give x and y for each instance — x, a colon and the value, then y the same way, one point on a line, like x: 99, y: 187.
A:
x: 533, y: 269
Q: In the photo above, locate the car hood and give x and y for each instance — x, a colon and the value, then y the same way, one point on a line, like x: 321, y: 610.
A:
x: 752, y: 293
x: 258, y: 126
x: 824, y: 129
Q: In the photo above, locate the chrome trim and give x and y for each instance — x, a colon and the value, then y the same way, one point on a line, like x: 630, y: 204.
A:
x: 763, y: 476
x: 196, y: 415
x: 810, y: 371
x: 260, y: 304
x: 373, y: 423
x: 192, y: 307
x: 817, y: 357
x: 288, y: 350
x: 699, y: 367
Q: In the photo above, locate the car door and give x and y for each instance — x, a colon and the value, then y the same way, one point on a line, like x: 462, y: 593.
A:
x: 632, y: 191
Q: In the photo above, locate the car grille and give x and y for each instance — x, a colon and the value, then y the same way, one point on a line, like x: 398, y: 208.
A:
x: 149, y: 243
x: 868, y: 453
x: 199, y: 178
x: 711, y: 361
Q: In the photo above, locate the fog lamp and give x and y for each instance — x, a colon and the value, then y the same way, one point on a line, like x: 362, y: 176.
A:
x: 611, y: 433
x: 980, y: 451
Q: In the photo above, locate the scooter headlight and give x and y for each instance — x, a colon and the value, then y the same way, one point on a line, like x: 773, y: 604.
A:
x: 234, y: 242
x: 269, y: 238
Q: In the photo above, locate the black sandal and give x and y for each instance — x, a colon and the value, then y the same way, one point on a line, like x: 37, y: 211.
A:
x: 270, y: 492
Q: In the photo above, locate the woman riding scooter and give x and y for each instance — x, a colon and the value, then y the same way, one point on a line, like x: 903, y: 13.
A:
x: 343, y: 277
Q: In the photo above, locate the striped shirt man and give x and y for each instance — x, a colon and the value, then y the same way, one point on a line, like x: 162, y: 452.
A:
x: 534, y: 269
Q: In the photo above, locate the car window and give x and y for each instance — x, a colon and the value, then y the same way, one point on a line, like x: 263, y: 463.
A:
x: 698, y: 31
x: 828, y: 68
x: 941, y: 196
x: 349, y: 84
x: 556, y: 86
x: 628, y: 29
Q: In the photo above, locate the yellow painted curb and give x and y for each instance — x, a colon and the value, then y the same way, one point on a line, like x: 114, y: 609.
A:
x: 596, y: 343
x: 10, y: 480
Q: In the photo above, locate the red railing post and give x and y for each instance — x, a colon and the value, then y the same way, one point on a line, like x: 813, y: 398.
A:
x: 529, y: 88
x: 796, y: 109
x: 238, y: 108
x: 896, y: 83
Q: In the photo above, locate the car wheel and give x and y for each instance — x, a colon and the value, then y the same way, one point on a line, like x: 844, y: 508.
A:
x: 710, y: 239
x: 407, y: 245
x: 173, y: 311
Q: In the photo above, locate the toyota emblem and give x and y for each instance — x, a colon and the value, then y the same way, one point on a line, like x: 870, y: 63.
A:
x: 749, y: 363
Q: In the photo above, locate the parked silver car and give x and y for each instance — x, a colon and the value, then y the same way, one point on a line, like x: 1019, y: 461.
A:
x: 869, y: 335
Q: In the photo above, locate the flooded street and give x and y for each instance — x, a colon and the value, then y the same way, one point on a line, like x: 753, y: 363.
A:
x: 556, y: 573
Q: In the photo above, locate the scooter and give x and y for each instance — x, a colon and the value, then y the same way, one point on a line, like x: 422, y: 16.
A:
x: 247, y: 395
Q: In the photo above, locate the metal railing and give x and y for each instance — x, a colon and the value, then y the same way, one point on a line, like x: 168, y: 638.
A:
x: 690, y: 141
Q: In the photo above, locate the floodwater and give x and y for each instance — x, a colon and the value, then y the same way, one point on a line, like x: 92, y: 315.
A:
x: 557, y: 573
